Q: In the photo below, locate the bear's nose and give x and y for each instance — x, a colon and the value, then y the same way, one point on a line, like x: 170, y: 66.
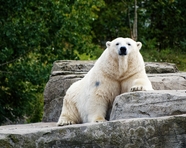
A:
x: 123, y: 50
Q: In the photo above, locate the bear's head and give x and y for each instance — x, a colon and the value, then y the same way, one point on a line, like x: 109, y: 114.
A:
x: 123, y: 46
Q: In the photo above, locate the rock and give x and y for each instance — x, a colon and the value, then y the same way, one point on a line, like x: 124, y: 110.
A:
x: 169, y: 81
x: 156, y: 67
x: 149, y: 104
x: 72, y: 66
x: 64, y: 73
x: 84, y: 66
x: 53, y: 95
x: 162, y: 132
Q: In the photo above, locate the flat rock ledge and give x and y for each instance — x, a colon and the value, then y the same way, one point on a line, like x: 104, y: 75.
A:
x: 143, y: 129
x: 162, y: 132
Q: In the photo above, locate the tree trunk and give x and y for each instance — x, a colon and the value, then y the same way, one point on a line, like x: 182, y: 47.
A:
x: 135, y: 29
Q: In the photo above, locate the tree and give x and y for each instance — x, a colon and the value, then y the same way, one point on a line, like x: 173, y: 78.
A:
x: 33, y: 35
x: 161, y: 21
x: 135, y: 28
x: 112, y: 22
x: 118, y: 18
x: 164, y: 21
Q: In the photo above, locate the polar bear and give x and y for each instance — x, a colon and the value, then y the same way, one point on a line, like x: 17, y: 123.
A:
x: 119, y: 69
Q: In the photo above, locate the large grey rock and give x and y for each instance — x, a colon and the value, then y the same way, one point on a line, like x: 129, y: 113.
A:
x: 156, y: 67
x: 169, y: 81
x: 74, y: 66
x: 162, y: 132
x: 64, y: 73
x: 53, y: 95
x: 149, y: 104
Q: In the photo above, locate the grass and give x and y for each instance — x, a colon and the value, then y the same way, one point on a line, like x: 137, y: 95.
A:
x: 171, y: 56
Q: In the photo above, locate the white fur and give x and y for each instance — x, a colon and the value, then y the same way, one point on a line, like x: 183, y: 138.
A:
x: 88, y: 99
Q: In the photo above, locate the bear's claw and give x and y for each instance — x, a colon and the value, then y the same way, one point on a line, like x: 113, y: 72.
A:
x: 137, y: 88
x: 63, y: 122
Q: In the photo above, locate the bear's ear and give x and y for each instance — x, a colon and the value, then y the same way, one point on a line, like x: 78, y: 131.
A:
x: 108, y: 44
x: 139, y: 45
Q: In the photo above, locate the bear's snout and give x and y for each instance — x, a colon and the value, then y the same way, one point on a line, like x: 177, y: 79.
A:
x: 123, y: 50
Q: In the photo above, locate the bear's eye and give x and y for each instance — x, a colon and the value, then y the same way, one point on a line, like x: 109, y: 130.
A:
x: 128, y: 44
x: 117, y: 44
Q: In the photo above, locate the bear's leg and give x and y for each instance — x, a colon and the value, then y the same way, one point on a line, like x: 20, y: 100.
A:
x: 97, y: 112
x: 136, y: 83
x: 69, y: 114
x: 141, y: 85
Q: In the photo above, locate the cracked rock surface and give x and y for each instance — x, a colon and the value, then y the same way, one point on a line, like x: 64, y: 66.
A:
x: 162, y: 132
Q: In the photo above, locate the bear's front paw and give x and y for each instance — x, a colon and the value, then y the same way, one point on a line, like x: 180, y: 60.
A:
x: 138, y: 88
x: 65, y: 121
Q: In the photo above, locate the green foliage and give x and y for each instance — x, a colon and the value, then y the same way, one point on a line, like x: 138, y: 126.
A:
x: 163, y: 21
x: 160, y: 20
x: 36, y: 114
x: 112, y: 22
x: 152, y: 54
x: 33, y: 35
x: 166, y: 55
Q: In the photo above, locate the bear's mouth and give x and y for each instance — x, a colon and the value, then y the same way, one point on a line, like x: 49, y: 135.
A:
x: 123, y: 51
